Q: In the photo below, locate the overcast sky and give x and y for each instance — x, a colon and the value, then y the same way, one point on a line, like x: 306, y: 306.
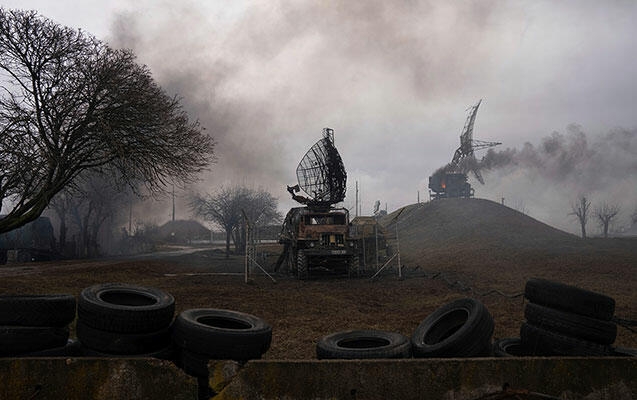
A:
x: 394, y: 80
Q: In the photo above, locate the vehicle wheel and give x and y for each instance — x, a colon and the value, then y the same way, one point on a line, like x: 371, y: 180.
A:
x: 569, y: 324
x: 117, y: 307
x: 569, y: 298
x: 547, y: 343
x: 72, y: 349
x: 37, y: 310
x: 462, y: 328
x: 302, y: 265
x: 16, y: 340
x: 623, y: 352
x: 354, y: 265
x: 194, y: 364
x: 122, y: 343
x: 363, y: 344
x: 167, y: 353
x: 509, y: 347
x: 222, y: 334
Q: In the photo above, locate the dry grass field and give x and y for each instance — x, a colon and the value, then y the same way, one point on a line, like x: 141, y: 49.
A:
x: 479, y: 243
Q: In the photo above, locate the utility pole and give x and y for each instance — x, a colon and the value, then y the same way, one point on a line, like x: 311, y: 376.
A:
x: 130, y: 219
x: 356, y: 206
x: 173, y: 202
x: 419, y: 197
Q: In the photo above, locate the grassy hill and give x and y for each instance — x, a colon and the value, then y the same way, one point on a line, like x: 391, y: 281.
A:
x: 487, y: 242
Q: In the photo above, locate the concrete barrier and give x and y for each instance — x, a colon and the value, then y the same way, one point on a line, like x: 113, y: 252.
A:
x: 93, y: 378
x: 445, y: 379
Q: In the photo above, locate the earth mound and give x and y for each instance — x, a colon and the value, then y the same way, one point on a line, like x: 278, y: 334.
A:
x: 475, y: 224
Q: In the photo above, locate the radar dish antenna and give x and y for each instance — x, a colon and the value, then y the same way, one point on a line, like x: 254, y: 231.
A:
x: 464, y: 159
x: 321, y: 174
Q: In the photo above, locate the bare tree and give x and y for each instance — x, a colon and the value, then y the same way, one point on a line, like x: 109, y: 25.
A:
x: 605, y: 213
x: 88, y: 204
x: 580, y: 209
x: 225, y: 209
x: 69, y: 103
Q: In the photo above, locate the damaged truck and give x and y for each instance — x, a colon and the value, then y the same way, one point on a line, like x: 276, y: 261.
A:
x: 316, y: 237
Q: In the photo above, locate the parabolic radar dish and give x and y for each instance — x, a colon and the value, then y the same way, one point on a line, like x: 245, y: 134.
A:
x: 321, y: 173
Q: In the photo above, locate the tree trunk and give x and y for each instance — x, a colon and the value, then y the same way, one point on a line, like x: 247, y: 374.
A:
x: 228, y: 234
x: 62, y: 245
x: 583, y: 231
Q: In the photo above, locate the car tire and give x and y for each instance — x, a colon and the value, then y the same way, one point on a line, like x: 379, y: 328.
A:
x: 222, y: 334
x: 122, y: 343
x: 71, y: 349
x: 569, y: 298
x: 542, y: 342
x: 623, y: 352
x: 194, y: 364
x: 509, y: 347
x: 37, y: 310
x: 302, y: 265
x: 167, y: 353
x: 462, y: 328
x: 117, y: 307
x: 570, y: 324
x: 363, y: 344
x: 15, y: 340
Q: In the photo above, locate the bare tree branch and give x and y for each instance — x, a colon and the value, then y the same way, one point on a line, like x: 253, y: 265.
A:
x: 69, y: 104
x: 580, y: 209
x: 224, y: 209
x: 605, y: 213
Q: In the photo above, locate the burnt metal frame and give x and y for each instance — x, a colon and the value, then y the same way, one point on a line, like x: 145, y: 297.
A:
x: 321, y: 173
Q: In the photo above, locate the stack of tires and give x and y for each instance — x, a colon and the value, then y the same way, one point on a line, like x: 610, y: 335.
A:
x: 117, y: 319
x: 36, y: 325
x: 566, y: 320
x: 462, y: 328
x: 203, y: 334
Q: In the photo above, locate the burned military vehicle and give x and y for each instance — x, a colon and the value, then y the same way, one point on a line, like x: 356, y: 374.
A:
x: 316, y: 237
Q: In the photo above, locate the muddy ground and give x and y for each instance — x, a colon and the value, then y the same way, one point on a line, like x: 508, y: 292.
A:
x: 301, y: 312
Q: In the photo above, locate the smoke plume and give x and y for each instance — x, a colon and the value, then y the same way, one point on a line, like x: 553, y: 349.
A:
x: 546, y: 178
x: 391, y: 78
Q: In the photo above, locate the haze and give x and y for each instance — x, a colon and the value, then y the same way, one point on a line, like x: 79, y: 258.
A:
x: 393, y: 79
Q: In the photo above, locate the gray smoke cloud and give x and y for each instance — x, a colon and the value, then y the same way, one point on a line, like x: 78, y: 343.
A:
x: 546, y: 178
x: 392, y: 79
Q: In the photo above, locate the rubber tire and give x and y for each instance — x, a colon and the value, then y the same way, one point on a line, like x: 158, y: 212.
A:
x: 569, y: 298
x: 37, y: 310
x: 569, y: 324
x: 153, y: 313
x: 167, y: 353
x: 222, y: 334
x: 302, y: 265
x: 509, y: 347
x: 122, y: 343
x: 194, y: 364
x: 73, y: 348
x: 15, y: 340
x: 623, y: 352
x: 462, y: 328
x: 542, y: 342
x: 365, y: 344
